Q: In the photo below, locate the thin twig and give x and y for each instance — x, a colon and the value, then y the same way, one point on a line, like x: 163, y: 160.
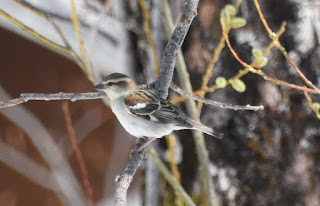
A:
x: 206, y: 77
x: 280, y: 82
x: 171, y: 139
x: 258, y: 71
x: 225, y: 35
x: 240, y: 73
x: 274, y: 37
x: 34, y: 33
x: 171, y: 179
x: 244, y: 71
x: 148, y: 31
x: 95, y: 27
x: 75, y: 56
x: 76, y: 24
x: 311, y: 105
x: 49, y: 97
x: 79, y: 157
x: 71, y: 52
x: 214, y: 103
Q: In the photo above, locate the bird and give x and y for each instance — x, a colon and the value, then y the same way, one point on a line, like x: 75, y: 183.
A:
x: 144, y: 114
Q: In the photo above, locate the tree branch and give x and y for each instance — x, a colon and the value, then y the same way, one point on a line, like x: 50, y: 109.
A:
x: 169, y: 55
x: 78, y: 154
x: 212, y: 102
x: 206, y: 189
x: 171, y: 179
x: 124, y: 179
x: 161, y: 86
x: 49, y: 97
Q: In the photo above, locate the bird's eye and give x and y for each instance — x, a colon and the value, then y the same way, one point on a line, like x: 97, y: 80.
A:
x: 110, y: 84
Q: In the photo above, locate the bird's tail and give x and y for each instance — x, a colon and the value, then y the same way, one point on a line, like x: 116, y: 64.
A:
x: 205, y: 129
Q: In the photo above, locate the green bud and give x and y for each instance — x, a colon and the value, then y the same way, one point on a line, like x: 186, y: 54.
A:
x: 227, y: 14
x: 261, y: 62
x: 316, y: 106
x: 238, y: 85
x: 221, y: 82
x: 231, y: 9
x: 238, y: 22
x: 257, y: 53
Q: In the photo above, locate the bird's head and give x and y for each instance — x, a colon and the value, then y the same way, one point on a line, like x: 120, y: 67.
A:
x: 116, y: 85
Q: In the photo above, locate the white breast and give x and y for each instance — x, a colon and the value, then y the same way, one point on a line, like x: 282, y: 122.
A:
x: 138, y: 126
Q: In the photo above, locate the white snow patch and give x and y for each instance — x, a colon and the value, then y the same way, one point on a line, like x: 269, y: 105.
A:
x: 224, y: 180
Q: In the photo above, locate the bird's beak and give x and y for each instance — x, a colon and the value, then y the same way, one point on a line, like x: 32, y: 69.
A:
x: 99, y: 86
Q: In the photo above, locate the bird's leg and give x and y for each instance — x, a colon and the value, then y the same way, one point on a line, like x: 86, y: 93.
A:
x: 146, y: 143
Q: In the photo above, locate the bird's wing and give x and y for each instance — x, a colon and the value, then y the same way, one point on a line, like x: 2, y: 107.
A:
x: 147, y: 105
x: 141, y: 103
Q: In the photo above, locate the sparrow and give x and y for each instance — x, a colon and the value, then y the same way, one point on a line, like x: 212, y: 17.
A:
x: 142, y: 113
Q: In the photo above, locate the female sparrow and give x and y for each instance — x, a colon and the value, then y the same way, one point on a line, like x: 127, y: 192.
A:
x: 142, y: 113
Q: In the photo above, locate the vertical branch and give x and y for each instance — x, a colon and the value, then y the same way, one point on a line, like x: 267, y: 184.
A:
x: 148, y: 31
x: 124, y: 180
x: 170, y: 139
x: 73, y: 139
x: 162, y: 86
x: 152, y: 174
x: 206, y: 77
x: 207, y: 188
x: 169, y: 56
x: 76, y: 24
x: 171, y: 179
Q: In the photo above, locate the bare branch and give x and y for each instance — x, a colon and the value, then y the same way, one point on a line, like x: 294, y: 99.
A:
x: 124, y: 180
x: 49, y: 97
x: 78, y: 154
x: 25, y: 97
x: 170, y: 52
x: 162, y: 86
x: 76, y: 23
x: 206, y: 185
x: 212, y: 102
x: 171, y: 179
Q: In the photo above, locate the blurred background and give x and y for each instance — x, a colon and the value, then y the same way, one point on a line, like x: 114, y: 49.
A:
x: 269, y: 157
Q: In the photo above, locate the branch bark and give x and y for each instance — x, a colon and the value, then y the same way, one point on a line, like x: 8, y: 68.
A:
x: 169, y: 55
x: 212, y: 102
x: 25, y: 97
x: 124, y: 179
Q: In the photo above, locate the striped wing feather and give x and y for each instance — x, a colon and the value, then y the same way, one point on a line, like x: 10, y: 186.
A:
x: 147, y: 105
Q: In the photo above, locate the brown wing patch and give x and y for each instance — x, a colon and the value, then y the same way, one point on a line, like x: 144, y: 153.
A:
x: 141, y: 103
x: 135, y: 98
